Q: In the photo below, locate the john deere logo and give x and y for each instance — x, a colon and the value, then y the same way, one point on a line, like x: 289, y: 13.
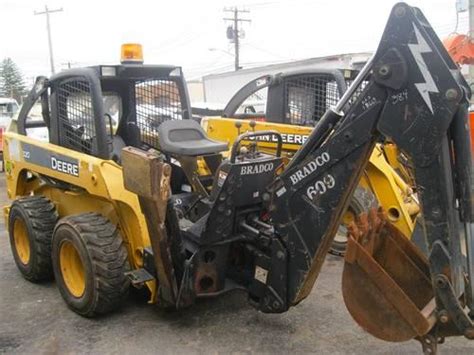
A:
x: 43, y: 157
x: 64, y: 166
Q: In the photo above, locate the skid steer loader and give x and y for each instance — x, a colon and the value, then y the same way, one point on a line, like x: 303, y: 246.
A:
x: 101, y: 203
x: 291, y: 103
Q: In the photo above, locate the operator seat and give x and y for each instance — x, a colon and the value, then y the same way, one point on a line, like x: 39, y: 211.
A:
x: 187, y: 138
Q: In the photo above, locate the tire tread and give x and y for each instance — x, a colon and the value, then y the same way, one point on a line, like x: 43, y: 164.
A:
x: 109, y: 259
x: 42, y: 216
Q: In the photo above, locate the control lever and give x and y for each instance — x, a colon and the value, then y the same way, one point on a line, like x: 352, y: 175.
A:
x: 252, y: 125
x: 238, y: 125
x: 253, y: 135
x: 253, y: 145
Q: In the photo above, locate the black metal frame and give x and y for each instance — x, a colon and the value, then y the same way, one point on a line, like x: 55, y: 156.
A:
x: 88, y: 75
x: 282, y: 221
x: 39, y: 90
x: 276, y: 107
x: 98, y: 83
x: 426, y: 129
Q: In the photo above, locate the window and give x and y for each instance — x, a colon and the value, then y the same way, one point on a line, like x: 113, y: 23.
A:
x: 309, y: 97
x: 157, y: 101
x: 112, y: 110
x: 75, y: 115
x: 35, y: 118
x: 8, y: 108
x: 255, y: 104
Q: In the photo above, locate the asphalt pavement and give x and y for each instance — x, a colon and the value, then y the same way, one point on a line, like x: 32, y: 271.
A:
x: 35, y: 320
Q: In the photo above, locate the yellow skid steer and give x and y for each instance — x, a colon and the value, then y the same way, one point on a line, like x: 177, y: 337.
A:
x: 113, y: 196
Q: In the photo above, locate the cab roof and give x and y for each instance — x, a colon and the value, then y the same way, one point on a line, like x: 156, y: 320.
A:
x: 125, y: 71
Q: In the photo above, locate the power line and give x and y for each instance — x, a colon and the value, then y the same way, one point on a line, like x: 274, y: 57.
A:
x: 48, y: 28
x: 266, y: 51
x: 69, y: 64
x: 209, y: 66
x: 216, y: 70
x: 262, y: 4
x: 233, y: 32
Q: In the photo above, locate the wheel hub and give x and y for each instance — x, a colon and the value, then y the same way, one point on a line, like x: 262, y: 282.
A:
x: 72, y: 269
x: 22, y: 242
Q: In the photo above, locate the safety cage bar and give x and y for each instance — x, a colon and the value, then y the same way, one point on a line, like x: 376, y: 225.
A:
x: 73, y: 107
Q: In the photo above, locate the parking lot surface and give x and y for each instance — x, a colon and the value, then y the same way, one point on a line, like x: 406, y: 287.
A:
x: 34, y: 319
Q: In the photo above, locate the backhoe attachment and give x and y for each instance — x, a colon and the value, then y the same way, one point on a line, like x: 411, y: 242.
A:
x: 390, y: 288
x: 412, y: 94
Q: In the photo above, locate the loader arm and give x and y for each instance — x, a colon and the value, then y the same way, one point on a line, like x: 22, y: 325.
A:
x: 412, y: 93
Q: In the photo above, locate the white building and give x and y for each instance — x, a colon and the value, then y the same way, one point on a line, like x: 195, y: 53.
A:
x: 218, y: 89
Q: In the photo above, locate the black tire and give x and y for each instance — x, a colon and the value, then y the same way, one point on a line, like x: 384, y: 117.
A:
x: 38, y: 217
x: 102, y: 252
x: 362, y: 201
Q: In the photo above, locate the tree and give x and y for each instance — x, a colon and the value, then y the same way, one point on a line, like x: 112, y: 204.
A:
x: 11, y: 80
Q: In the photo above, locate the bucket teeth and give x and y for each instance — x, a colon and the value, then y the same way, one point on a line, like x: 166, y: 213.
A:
x: 366, y: 228
x: 386, y: 283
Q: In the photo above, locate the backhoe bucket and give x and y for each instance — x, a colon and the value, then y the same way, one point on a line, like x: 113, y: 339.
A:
x: 386, y: 282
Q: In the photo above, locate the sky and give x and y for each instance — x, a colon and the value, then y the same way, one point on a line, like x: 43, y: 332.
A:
x: 179, y: 32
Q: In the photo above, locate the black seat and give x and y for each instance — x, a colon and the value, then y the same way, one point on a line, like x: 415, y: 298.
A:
x: 117, y: 145
x: 187, y: 138
x: 132, y: 135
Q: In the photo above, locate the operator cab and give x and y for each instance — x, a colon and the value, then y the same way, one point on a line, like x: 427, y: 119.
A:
x: 307, y: 94
x: 98, y: 110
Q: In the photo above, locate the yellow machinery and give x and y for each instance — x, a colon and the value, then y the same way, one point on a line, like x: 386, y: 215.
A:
x: 291, y: 103
x: 76, y: 171
x: 109, y: 189
x: 390, y: 189
x: 51, y: 169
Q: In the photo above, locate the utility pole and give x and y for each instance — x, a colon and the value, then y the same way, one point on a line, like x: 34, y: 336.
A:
x: 68, y: 64
x: 48, y: 27
x: 235, y: 34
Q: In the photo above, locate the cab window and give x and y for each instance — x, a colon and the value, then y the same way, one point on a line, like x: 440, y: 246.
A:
x: 254, y: 104
x: 35, y: 126
x: 308, y: 97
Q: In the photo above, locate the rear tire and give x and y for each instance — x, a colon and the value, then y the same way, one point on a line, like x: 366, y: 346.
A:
x: 89, y: 262
x: 31, y: 223
x: 362, y: 201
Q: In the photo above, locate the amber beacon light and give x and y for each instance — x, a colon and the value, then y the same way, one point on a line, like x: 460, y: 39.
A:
x: 131, y: 53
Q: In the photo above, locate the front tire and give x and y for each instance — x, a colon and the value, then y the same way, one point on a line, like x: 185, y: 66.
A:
x: 31, y: 223
x: 89, y: 263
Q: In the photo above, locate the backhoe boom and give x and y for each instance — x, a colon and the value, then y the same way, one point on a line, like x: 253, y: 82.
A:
x: 411, y: 93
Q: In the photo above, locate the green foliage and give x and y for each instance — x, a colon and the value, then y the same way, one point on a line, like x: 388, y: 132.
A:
x: 11, y: 80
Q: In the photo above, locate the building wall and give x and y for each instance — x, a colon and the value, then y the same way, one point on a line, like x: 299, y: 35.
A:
x: 196, y: 91
x: 219, y: 88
